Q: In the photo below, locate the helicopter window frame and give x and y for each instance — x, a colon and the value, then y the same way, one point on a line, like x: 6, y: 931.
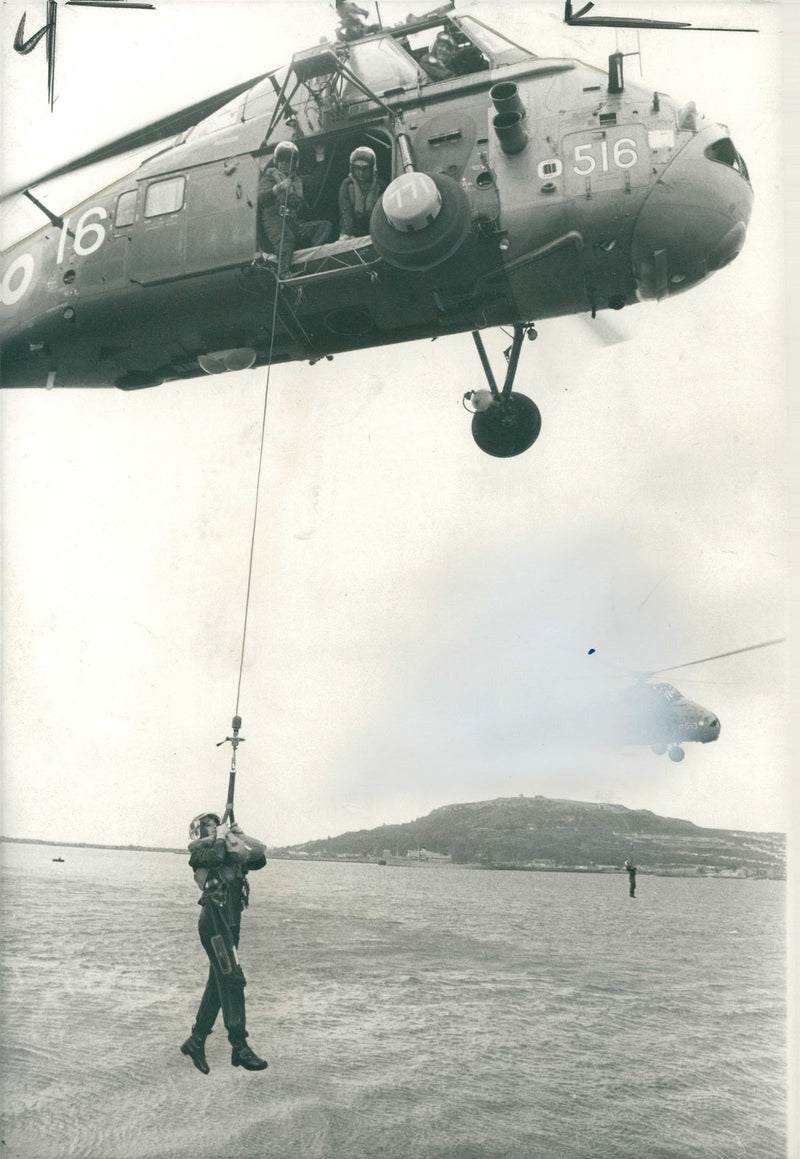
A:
x: 179, y: 185
x: 403, y: 73
x: 497, y: 49
x: 125, y: 209
x: 261, y: 100
x: 724, y: 152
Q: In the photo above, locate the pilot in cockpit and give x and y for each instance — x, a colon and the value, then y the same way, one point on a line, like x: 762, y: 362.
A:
x: 438, y: 60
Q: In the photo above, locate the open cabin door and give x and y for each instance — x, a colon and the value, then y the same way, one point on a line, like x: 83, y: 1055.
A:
x: 197, y: 221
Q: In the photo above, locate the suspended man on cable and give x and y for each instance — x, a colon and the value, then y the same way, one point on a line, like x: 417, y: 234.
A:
x: 221, y: 856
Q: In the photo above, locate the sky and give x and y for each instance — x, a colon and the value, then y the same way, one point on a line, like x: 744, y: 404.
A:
x: 420, y: 614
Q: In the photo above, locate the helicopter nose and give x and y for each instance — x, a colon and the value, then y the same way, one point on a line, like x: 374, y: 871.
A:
x: 709, y: 729
x: 694, y: 220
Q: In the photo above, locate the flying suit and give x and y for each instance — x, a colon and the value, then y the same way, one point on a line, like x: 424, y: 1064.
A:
x: 283, y: 207
x: 356, y: 204
x: 222, y: 877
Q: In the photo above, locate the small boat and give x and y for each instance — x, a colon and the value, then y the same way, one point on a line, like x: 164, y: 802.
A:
x: 58, y: 859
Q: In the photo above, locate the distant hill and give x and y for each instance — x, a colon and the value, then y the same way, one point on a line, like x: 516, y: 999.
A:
x: 545, y: 833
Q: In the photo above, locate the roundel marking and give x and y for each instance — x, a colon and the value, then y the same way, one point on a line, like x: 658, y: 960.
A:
x: 17, y: 279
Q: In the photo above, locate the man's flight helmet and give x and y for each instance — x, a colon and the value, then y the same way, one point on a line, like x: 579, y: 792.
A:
x: 287, y: 151
x: 196, y: 825
x: 363, y: 155
x: 444, y: 42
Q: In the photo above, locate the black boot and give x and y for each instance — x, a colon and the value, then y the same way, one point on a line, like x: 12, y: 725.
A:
x: 195, y: 1048
x: 244, y: 1056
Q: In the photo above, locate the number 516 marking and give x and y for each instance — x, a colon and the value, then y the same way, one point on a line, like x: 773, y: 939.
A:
x: 623, y: 156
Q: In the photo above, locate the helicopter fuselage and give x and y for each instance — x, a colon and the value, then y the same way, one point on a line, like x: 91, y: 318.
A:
x: 658, y: 714
x: 592, y: 199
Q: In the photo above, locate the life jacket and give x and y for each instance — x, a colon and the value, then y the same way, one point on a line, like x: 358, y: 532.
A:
x: 363, y: 200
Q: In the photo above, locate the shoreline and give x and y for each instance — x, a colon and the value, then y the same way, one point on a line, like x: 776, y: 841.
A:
x: 694, y: 871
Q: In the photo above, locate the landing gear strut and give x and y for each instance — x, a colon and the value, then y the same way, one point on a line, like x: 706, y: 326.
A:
x: 503, y: 423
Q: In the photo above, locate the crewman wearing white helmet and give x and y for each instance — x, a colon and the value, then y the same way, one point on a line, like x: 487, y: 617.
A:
x: 359, y: 193
x: 283, y: 206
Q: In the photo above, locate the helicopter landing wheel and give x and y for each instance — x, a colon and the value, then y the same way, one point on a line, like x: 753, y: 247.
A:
x: 658, y: 749
x: 504, y: 423
x: 676, y: 753
x: 508, y: 427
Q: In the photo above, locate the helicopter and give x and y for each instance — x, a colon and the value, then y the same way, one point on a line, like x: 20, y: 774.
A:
x: 655, y: 713
x: 517, y: 188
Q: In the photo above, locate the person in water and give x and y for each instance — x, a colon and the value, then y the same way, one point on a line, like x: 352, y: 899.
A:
x: 221, y: 856
x: 631, y: 871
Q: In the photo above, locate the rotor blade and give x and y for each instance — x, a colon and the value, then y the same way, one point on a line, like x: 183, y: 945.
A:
x: 719, y: 656
x: 168, y: 126
x: 109, y: 4
x: 580, y: 19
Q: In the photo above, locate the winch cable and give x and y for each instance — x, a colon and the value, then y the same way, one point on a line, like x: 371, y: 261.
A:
x: 236, y: 724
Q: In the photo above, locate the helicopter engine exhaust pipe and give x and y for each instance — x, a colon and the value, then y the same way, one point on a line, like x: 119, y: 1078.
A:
x: 506, y: 99
x: 510, y: 133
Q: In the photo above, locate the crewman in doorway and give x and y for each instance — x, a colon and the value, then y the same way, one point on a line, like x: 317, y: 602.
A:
x: 221, y: 857
x: 631, y: 871
x: 359, y: 193
x: 283, y: 207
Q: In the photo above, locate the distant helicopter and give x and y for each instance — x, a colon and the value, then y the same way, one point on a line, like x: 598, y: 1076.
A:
x: 518, y: 188
x: 658, y: 715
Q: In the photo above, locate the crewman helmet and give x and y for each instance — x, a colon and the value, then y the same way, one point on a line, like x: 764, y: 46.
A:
x: 286, y: 151
x: 362, y: 156
x: 445, y: 41
x: 197, y: 824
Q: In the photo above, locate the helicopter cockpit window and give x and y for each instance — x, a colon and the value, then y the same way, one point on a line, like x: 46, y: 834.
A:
x: 383, y: 66
x: 260, y: 101
x: 463, y: 55
x: 164, y: 196
x: 126, y: 208
x: 724, y: 150
x: 496, y: 48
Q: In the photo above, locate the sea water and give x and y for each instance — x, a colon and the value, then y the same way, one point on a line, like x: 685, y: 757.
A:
x: 407, y: 1013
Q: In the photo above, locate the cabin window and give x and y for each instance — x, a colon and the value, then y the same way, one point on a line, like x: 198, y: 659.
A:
x: 126, y: 208
x: 164, y: 196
